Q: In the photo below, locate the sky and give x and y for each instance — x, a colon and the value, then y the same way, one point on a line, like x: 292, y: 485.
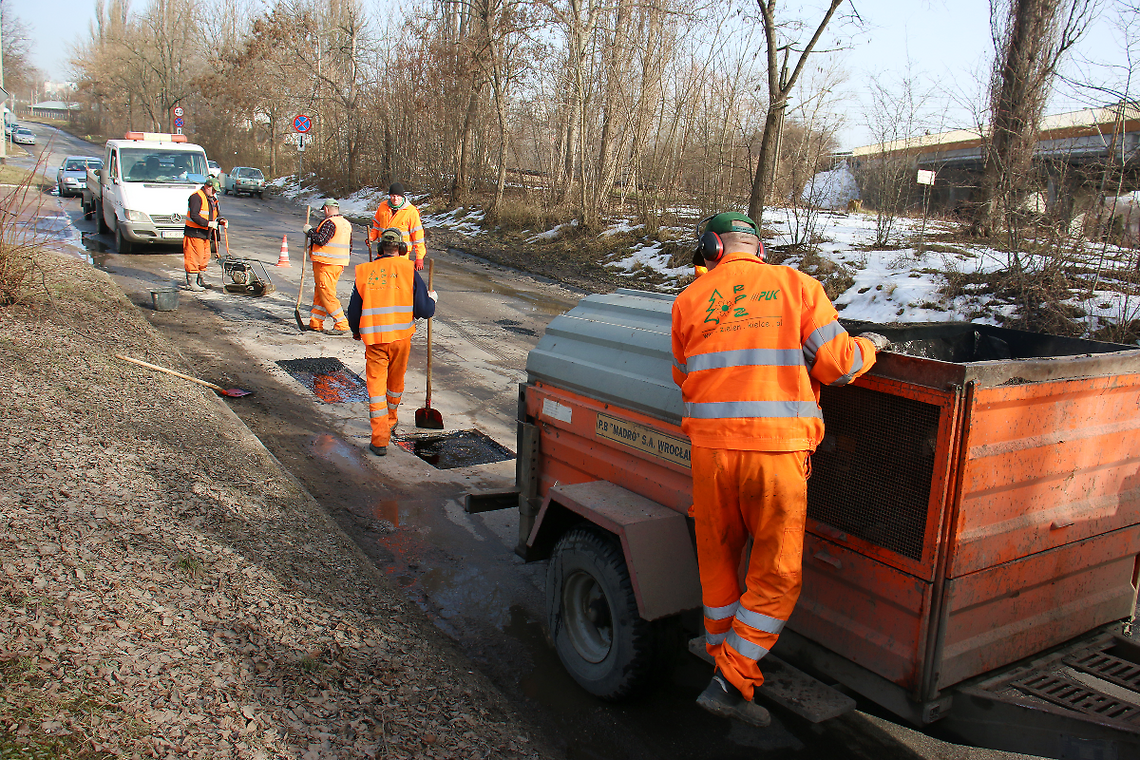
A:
x: 943, y: 41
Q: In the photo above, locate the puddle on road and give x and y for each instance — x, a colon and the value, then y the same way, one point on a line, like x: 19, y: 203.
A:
x: 327, y: 378
x: 460, y: 448
x: 484, y: 283
x: 98, y: 251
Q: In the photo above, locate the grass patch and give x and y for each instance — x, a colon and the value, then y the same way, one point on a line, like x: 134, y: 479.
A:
x: 191, y: 565
x: 15, y: 175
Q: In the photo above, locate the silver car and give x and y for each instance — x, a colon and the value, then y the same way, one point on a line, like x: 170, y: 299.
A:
x: 71, y: 179
x: 245, y: 179
x: 23, y: 136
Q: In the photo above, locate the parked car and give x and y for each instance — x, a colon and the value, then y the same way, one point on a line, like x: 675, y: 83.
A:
x: 244, y: 179
x: 214, y: 167
x: 71, y: 179
x: 9, y: 126
x: 23, y: 136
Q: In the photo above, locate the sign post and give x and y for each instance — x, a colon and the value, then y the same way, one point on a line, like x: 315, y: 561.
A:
x: 301, y: 124
x: 179, y: 122
x: 926, y: 179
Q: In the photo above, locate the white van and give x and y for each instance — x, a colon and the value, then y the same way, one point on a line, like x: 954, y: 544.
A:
x: 143, y: 190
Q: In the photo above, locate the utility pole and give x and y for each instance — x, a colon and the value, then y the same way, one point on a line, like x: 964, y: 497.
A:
x: 3, y: 103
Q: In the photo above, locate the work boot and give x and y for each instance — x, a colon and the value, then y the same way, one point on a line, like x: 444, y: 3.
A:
x: 722, y: 698
x: 192, y: 285
x: 202, y: 281
x: 380, y: 451
x: 338, y: 331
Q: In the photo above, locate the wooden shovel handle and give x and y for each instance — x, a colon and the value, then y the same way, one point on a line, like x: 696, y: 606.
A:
x: 148, y: 365
x: 431, y: 275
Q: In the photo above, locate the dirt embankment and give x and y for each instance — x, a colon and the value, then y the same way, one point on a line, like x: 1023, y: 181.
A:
x: 168, y: 590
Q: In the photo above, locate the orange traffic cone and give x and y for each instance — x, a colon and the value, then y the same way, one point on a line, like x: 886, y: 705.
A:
x: 283, y: 260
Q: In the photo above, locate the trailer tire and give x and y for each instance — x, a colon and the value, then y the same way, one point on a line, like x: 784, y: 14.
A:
x: 99, y: 220
x: 592, y: 617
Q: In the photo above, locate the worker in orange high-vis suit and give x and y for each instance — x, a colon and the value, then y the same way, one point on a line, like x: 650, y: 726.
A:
x: 399, y: 213
x: 752, y: 342
x: 202, y: 221
x: 331, y: 246
x: 387, y: 299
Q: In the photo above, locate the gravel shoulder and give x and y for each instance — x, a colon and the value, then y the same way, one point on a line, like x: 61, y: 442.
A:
x: 169, y: 590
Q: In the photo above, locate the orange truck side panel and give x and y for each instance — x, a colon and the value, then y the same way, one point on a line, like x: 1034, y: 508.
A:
x: 1001, y: 613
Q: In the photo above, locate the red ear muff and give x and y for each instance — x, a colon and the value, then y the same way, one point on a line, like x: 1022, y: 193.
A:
x: 711, y: 247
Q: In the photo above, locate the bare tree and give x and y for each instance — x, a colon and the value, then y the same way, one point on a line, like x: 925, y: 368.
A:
x: 1030, y: 37
x: 780, y: 85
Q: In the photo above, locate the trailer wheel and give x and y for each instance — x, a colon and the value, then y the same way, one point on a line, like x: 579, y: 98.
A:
x: 100, y: 221
x: 592, y: 616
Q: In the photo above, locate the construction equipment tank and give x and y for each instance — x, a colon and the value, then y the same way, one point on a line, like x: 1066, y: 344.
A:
x: 976, y: 499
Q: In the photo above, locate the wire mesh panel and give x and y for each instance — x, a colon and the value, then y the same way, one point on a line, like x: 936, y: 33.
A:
x: 871, y: 476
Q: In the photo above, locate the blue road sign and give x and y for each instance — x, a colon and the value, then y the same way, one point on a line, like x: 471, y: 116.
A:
x: 302, y: 123
x: 179, y: 123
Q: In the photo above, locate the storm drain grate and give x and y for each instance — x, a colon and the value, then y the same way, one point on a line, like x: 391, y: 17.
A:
x: 1077, y: 697
x: 460, y: 448
x: 1107, y: 668
x: 327, y: 378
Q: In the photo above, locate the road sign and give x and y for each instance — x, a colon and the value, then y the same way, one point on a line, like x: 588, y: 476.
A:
x: 302, y: 123
x: 179, y: 113
x: 179, y: 122
x: 925, y: 177
x: 301, y: 143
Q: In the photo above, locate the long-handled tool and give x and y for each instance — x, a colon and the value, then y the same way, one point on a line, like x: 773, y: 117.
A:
x: 301, y: 285
x: 231, y: 392
x: 428, y: 417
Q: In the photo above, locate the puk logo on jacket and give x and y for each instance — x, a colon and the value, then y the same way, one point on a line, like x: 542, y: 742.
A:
x: 721, y: 309
x: 378, y: 278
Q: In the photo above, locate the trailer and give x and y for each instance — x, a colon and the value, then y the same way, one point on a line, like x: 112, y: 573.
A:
x: 973, y: 540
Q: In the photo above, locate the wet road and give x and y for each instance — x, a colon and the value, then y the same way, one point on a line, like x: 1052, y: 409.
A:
x: 406, y: 514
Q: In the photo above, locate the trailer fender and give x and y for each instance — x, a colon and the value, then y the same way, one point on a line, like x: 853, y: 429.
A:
x: 655, y: 540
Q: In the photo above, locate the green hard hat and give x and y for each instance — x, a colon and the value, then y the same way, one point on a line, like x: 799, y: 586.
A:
x: 730, y: 221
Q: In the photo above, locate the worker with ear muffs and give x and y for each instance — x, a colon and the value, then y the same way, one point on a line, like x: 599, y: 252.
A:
x: 752, y: 342
x: 387, y: 299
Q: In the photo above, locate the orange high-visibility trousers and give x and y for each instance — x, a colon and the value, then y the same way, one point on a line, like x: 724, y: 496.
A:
x: 385, y: 365
x: 325, y: 302
x: 195, y: 254
x: 737, y: 494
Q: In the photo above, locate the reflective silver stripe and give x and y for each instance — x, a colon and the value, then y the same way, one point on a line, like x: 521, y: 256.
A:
x: 717, y: 410
x: 334, y: 245
x: 747, y: 357
x: 373, y: 413
x: 393, y: 394
x: 856, y: 365
x: 339, y: 314
x: 394, y: 406
x: 720, y: 613
x: 386, y: 328
x: 320, y: 310
x: 746, y: 648
x: 376, y: 400
x: 385, y: 310
x: 818, y: 338
x: 760, y: 621
x: 715, y: 638
x: 415, y: 229
x: 682, y: 368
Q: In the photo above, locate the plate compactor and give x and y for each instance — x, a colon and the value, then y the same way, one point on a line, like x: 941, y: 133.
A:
x: 245, y: 277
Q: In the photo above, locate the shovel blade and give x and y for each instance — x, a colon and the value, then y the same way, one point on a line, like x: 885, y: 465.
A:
x: 429, y: 418
x: 235, y: 392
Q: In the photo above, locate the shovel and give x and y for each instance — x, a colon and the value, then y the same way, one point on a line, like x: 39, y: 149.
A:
x: 231, y: 392
x: 301, y: 285
x: 428, y: 417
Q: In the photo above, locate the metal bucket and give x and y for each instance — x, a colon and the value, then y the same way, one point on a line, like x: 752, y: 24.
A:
x: 164, y: 300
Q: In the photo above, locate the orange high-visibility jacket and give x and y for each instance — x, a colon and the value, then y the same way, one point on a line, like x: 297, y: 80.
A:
x: 209, y: 210
x: 386, y: 287
x: 337, y: 249
x: 407, y: 221
x: 751, y: 344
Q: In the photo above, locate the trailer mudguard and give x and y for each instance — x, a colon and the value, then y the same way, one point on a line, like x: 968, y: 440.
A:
x: 655, y: 540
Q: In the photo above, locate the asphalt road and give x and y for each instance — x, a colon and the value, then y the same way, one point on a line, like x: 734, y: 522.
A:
x: 407, y: 514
